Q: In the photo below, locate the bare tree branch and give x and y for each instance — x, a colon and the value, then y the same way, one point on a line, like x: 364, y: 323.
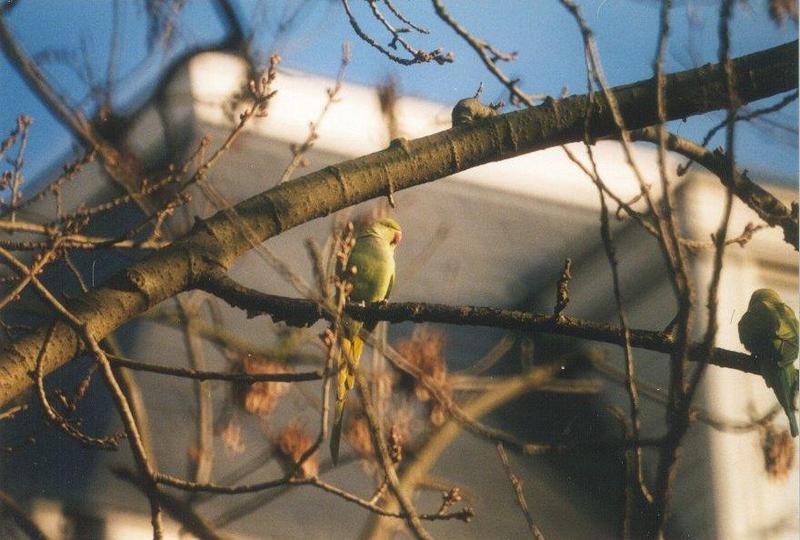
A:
x: 761, y: 201
x: 516, y: 483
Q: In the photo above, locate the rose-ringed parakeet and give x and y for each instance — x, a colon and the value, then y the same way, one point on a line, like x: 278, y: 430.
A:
x: 370, y: 271
x: 769, y: 331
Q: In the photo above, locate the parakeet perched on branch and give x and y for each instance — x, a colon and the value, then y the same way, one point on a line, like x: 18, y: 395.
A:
x: 370, y: 271
x: 769, y: 331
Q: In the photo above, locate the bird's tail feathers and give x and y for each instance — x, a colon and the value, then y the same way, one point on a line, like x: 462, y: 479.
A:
x: 345, y: 379
x: 336, y: 433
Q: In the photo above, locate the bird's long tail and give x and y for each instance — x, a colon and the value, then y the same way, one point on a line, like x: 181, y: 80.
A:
x: 786, y: 381
x: 793, y: 423
x: 345, y: 379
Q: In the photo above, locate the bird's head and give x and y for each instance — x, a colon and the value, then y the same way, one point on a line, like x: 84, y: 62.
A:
x: 765, y: 296
x: 387, y: 229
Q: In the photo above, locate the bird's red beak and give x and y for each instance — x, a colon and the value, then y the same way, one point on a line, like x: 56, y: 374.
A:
x: 398, y: 236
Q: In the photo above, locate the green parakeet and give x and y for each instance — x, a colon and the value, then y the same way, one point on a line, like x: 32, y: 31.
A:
x: 372, y: 280
x: 769, y: 331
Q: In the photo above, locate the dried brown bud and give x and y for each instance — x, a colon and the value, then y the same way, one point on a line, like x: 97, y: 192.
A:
x: 780, y: 10
x: 396, y: 444
x: 5, y: 180
x: 452, y: 497
x: 425, y: 351
x: 779, y: 450
x: 438, y: 415
x: 231, y: 435
x: 357, y: 434
x: 259, y: 398
x: 292, y: 443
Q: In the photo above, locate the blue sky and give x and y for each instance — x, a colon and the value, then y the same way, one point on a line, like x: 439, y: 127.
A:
x: 544, y: 35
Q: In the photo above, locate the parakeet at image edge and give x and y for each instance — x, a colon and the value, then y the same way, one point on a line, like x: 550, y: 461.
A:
x: 769, y: 331
x: 373, y: 259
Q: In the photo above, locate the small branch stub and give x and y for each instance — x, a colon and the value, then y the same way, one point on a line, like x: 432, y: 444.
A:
x: 469, y: 110
x: 562, y: 289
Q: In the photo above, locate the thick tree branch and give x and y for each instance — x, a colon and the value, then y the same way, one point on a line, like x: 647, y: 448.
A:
x: 217, y: 242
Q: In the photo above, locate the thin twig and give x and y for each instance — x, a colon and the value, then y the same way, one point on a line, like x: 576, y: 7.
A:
x: 489, y: 56
x: 11, y: 412
x: 516, y: 483
x: 786, y: 100
x: 382, y: 453
x: 462, y: 515
x: 106, y: 443
x: 23, y: 123
x: 637, y: 480
x: 260, y: 500
x: 137, y: 446
x: 299, y: 151
x: 403, y: 18
x: 703, y: 415
x: 418, y: 56
x: 216, y: 375
x: 202, y: 456
x: 682, y: 406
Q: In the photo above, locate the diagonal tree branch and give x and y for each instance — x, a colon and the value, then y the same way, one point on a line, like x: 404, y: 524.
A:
x: 217, y: 241
x: 761, y: 201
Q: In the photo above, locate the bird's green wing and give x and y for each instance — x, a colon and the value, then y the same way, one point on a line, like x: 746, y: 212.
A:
x: 391, y: 284
x: 786, y: 334
x: 374, y: 264
x: 757, y: 328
